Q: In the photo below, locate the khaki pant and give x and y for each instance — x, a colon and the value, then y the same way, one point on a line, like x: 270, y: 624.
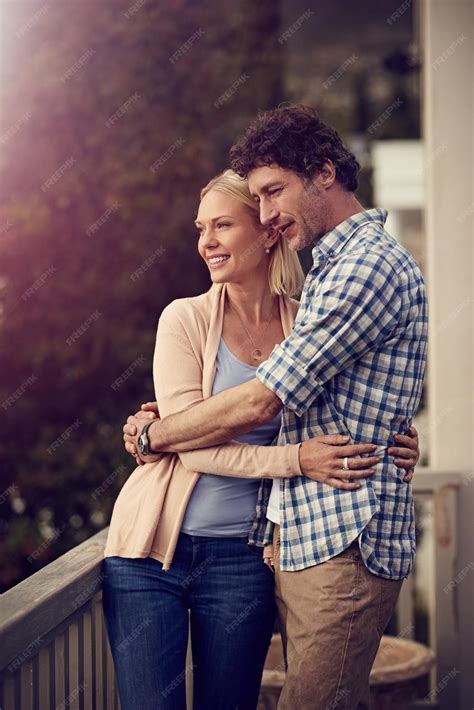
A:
x: 332, y: 617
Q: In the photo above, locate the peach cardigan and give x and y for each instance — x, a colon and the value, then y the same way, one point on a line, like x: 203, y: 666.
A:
x: 149, y: 510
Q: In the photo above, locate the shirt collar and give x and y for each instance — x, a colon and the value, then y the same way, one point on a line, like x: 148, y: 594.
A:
x: 335, y: 240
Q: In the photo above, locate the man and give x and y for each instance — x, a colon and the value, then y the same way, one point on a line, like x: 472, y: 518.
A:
x: 354, y: 363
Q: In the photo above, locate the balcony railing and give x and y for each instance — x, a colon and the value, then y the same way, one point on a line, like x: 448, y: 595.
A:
x: 54, y: 651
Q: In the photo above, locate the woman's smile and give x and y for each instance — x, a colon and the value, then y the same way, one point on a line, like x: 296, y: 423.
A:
x: 216, y: 262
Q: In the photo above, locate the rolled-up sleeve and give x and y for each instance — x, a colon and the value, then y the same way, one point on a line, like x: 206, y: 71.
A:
x: 355, y: 306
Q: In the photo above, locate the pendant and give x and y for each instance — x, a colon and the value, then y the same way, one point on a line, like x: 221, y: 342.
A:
x: 256, y: 354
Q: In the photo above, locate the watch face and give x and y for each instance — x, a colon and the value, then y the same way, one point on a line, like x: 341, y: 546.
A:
x: 140, y: 444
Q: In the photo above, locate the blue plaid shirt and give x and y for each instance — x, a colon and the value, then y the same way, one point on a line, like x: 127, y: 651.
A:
x: 354, y: 364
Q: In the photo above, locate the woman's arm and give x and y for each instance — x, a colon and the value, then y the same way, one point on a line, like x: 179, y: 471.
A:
x: 245, y: 460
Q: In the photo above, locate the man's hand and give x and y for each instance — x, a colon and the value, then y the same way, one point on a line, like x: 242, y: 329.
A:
x: 322, y: 459
x: 133, y: 428
x: 407, y: 452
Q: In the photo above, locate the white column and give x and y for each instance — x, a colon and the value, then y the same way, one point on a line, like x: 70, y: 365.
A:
x: 447, y: 28
x: 448, y: 94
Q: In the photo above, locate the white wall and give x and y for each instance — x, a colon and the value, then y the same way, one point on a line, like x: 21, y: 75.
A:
x: 447, y: 28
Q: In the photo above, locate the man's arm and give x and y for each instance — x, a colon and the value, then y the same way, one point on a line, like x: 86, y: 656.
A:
x: 355, y: 308
x: 358, y: 306
x: 219, y: 419
x: 187, y: 421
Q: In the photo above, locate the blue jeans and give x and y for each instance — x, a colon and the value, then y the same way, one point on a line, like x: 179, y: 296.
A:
x: 226, y: 591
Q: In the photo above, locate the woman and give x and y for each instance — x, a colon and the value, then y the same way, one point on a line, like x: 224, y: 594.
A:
x: 178, y: 539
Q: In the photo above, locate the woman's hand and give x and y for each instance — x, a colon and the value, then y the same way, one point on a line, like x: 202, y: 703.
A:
x: 322, y: 459
x: 133, y: 428
x: 407, y: 453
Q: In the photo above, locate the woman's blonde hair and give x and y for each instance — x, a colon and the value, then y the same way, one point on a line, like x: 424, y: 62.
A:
x: 285, y: 274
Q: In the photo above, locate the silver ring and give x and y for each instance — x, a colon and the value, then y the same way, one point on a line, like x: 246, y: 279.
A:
x: 345, y: 464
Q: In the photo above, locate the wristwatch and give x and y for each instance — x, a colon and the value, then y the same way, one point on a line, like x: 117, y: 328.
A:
x: 143, y: 442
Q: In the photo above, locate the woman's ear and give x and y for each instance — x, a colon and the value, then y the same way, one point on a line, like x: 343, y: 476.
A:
x: 273, y: 235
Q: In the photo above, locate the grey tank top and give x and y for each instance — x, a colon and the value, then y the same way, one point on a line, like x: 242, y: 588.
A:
x: 224, y: 506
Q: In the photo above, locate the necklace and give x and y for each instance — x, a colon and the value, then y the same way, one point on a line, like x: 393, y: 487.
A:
x: 256, y: 353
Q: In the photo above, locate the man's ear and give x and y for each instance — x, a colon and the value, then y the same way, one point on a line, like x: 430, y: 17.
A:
x: 327, y: 174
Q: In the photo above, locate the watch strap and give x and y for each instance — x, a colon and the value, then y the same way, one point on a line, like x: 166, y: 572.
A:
x: 145, y: 431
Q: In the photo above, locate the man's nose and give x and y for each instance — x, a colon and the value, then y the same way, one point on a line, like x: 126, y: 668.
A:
x: 268, y: 212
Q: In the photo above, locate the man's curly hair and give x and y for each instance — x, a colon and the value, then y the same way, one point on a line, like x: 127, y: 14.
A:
x: 295, y: 138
